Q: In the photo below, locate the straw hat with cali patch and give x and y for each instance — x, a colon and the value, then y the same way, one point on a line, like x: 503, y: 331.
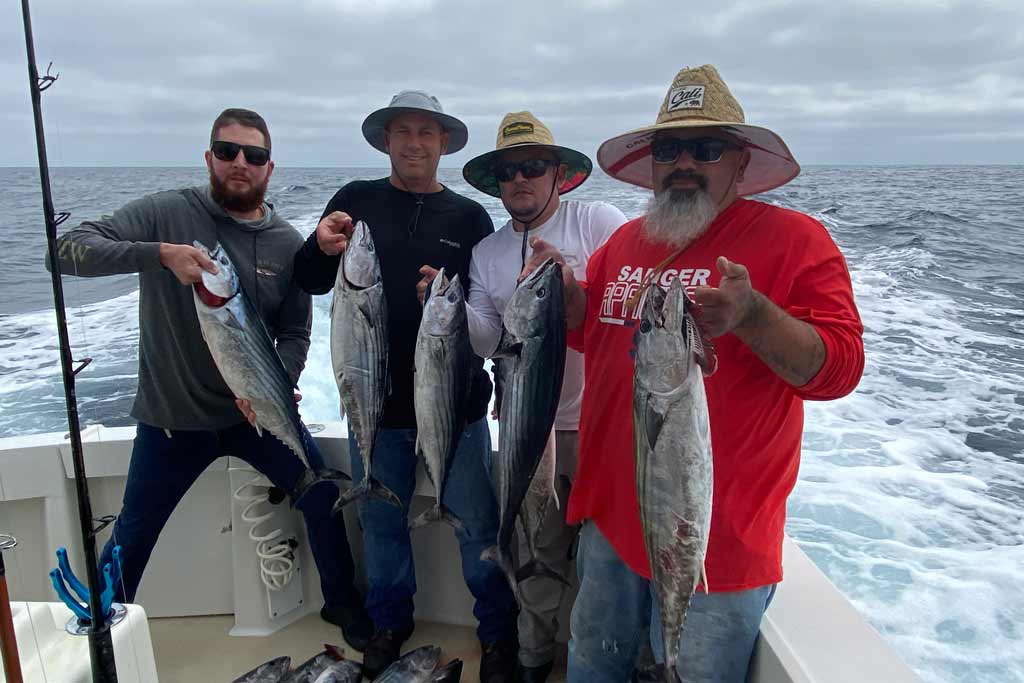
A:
x: 523, y: 129
x: 698, y: 98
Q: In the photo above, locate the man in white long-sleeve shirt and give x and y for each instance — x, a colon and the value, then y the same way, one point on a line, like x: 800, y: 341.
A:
x: 530, y: 173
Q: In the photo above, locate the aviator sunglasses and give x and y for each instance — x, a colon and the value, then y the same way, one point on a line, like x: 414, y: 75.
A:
x: 702, y: 150
x: 228, y: 151
x: 505, y: 171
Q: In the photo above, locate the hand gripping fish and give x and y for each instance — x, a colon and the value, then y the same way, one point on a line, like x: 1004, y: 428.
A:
x: 359, y: 353
x: 248, y: 361
x: 532, y: 351
x: 444, y: 366
x: 672, y: 447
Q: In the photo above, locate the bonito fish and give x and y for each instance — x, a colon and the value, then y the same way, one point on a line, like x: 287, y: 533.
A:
x: 444, y: 365
x: 359, y: 353
x: 415, y: 667
x: 270, y: 672
x: 532, y: 352
x: 672, y: 448
x: 248, y: 360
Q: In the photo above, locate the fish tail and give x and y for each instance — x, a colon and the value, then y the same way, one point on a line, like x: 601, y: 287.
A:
x: 311, y: 478
x: 347, y: 497
x: 438, y: 513
x: 535, y: 567
x: 375, y: 488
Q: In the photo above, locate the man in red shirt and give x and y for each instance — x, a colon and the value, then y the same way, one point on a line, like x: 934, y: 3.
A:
x: 775, y: 292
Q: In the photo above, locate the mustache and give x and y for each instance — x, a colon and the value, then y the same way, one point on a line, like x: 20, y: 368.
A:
x: 672, y: 177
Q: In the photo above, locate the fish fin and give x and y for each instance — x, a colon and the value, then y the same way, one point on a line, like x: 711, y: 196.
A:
x: 437, y: 514
x: 704, y: 577
x: 312, y: 477
x: 383, y: 492
x: 653, y: 422
x: 537, y: 568
x: 259, y: 430
x: 347, y: 497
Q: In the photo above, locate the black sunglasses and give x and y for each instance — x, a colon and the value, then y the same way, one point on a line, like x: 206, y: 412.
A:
x: 505, y: 171
x: 702, y: 150
x: 228, y: 151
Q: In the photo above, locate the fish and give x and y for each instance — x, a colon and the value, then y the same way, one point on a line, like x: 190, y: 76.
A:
x: 359, y: 354
x: 341, y: 672
x: 247, y: 358
x: 417, y: 666
x: 444, y: 371
x: 540, y: 501
x: 532, y: 352
x: 672, y: 450
x: 268, y: 672
x: 449, y: 673
x: 309, y: 670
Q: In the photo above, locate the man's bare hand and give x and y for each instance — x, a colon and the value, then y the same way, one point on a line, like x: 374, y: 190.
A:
x: 428, y: 273
x: 542, y: 251
x: 333, y: 231
x: 186, y: 262
x: 731, y: 304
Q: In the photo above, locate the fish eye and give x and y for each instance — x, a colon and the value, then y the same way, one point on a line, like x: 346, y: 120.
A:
x: 541, y: 293
x: 645, y: 326
x: 452, y: 298
x: 224, y: 259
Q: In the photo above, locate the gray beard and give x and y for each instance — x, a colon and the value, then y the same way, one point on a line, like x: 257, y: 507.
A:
x: 677, y: 217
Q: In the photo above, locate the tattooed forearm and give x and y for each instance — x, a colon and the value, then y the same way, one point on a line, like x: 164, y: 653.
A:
x: 792, y: 348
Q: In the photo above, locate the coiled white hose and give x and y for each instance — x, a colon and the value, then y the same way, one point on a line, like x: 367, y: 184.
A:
x: 277, y: 564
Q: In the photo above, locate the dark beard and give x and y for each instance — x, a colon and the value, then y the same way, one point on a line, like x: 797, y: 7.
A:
x: 232, y: 201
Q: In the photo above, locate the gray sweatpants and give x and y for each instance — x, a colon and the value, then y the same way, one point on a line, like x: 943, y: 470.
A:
x: 540, y: 597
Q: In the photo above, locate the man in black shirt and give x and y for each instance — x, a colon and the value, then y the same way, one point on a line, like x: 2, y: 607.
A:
x: 417, y: 223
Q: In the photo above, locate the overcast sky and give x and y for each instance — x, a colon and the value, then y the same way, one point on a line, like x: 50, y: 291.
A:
x: 846, y: 81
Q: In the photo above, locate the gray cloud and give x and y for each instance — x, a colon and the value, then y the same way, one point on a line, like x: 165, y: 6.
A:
x: 856, y: 81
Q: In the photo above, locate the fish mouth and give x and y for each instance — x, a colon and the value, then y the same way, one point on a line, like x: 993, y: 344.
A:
x: 533, y: 278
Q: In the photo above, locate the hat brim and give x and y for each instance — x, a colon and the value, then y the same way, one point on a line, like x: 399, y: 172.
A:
x: 375, y: 124
x: 479, y: 171
x: 627, y: 157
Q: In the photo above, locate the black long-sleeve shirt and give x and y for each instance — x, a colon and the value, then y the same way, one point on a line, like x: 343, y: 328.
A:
x: 409, y: 231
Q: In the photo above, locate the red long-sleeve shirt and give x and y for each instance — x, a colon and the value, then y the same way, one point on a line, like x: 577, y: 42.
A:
x: 756, y: 417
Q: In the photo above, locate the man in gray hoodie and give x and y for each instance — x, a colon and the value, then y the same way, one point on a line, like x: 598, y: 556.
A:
x: 187, y: 415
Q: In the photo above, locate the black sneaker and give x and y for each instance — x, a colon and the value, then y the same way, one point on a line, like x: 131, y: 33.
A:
x: 383, y: 649
x: 499, y: 661
x: 535, y: 674
x: 356, y: 626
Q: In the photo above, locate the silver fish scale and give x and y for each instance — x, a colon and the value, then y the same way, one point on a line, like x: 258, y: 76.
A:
x: 534, y: 323
x: 443, y: 362
x: 248, y: 361
x: 674, y: 470
x: 359, y: 343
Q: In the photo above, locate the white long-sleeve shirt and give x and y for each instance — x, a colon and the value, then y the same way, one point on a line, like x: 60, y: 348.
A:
x: 576, y: 229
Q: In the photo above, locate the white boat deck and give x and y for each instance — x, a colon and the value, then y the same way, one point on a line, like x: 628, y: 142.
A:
x: 201, y: 590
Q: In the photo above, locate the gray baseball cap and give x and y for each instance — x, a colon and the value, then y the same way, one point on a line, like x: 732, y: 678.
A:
x: 414, y: 101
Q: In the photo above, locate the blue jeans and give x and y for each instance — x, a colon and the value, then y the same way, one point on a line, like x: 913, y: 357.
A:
x: 163, y: 469
x: 386, y: 545
x: 615, y: 611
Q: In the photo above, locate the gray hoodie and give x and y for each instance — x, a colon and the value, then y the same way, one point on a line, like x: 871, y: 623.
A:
x: 179, y: 385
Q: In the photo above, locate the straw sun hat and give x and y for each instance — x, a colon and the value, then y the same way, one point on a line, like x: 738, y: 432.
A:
x: 699, y: 98
x: 523, y: 129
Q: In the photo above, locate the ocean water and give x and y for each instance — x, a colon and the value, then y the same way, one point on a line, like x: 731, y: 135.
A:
x: 911, y: 492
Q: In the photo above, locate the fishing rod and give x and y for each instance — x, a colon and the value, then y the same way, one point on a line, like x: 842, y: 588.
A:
x: 101, y: 644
